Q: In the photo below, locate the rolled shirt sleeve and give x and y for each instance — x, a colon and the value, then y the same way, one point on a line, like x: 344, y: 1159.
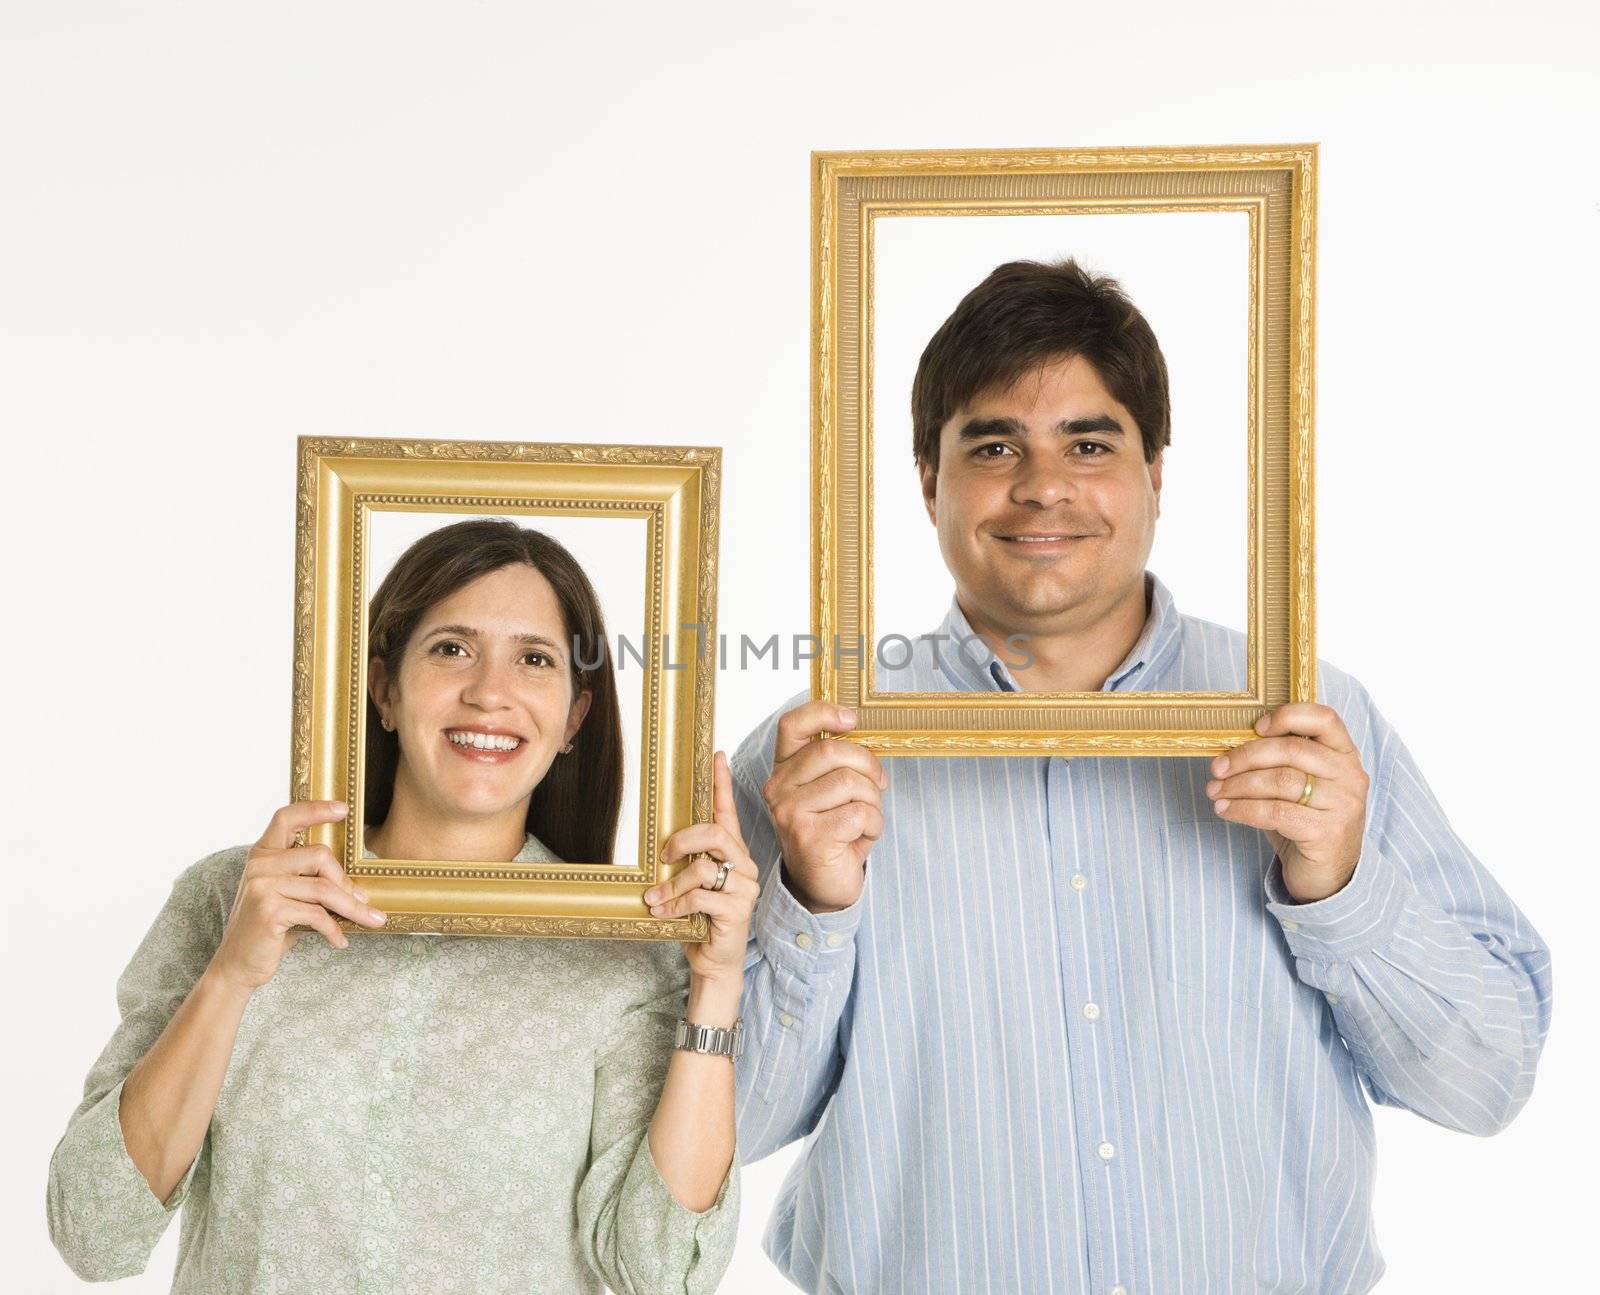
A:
x: 634, y: 1232
x: 103, y: 1218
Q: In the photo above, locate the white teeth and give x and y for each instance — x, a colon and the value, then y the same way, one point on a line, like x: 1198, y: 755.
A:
x: 1038, y: 539
x: 485, y: 741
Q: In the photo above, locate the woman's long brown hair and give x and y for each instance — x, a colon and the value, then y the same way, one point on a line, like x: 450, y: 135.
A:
x: 575, y: 807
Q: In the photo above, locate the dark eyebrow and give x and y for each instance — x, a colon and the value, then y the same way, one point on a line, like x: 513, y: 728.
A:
x: 467, y: 632
x: 1104, y: 424
x: 980, y: 428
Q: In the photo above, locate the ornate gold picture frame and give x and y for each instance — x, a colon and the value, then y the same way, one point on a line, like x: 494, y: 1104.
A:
x: 663, y: 501
x: 1271, y: 193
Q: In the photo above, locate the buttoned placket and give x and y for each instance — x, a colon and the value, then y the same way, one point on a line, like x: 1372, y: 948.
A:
x: 382, y: 1251
x: 1088, y: 999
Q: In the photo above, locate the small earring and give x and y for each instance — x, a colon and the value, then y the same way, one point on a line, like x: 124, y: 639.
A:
x: 566, y: 749
x: 387, y: 726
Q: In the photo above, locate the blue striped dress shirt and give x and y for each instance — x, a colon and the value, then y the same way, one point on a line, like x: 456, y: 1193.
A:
x: 1075, y: 1036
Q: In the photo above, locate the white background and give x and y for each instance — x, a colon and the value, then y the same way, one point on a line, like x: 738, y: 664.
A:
x: 1189, y: 274
x: 222, y: 225
x: 613, y: 553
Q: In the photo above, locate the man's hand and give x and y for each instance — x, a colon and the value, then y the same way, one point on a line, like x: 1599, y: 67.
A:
x: 1263, y: 783
x: 825, y: 801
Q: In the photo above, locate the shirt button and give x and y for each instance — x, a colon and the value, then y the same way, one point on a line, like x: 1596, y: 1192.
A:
x: 1092, y: 1011
x: 1119, y: 1290
x: 1289, y: 924
x: 1079, y: 881
x: 1106, y: 1151
x: 835, y: 940
x: 1333, y: 998
x: 785, y: 1020
x: 803, y: 940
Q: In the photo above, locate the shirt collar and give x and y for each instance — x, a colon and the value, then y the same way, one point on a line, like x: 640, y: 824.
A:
x: 970, y: 665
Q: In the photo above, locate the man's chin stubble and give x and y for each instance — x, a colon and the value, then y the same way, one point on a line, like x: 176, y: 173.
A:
x: 1043, y: 612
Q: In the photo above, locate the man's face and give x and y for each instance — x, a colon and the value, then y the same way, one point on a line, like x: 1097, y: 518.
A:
x: 1044, y: 504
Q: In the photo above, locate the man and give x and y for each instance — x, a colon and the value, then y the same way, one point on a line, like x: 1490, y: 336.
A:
x: 1101, y: 1025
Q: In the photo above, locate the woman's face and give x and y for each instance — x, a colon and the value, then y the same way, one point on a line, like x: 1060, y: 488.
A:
x: 482, y: 701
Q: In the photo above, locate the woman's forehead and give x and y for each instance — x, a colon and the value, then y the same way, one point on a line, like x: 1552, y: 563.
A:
x: 512, y: 602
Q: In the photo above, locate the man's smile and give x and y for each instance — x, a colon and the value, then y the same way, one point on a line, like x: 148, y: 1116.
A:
x: 1038, y: 543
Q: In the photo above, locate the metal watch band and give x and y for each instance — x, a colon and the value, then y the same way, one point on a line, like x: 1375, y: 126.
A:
x: 712, y: 1039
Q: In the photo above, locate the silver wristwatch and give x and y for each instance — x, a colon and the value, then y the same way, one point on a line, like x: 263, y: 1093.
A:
x: 713, y: 1039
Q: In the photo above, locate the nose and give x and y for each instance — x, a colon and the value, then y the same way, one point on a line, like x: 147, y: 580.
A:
x: 1044, y: 480
x: 487, y: 685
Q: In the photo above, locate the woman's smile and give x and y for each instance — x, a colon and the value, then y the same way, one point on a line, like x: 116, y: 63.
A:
x: 485, y: 745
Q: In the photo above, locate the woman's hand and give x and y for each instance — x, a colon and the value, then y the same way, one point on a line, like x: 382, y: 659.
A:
x: 285, y: 887
x: 691, y: 1135
x: 720, y: 958
x: 169, y: 1097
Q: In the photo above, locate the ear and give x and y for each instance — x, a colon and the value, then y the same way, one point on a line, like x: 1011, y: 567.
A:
x: 580, y: 708
x: 929, y: 477
x: 380, y: 686
x: 1155, y: 479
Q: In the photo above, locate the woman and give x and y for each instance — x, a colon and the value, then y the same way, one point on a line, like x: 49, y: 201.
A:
x: 428, y: 1114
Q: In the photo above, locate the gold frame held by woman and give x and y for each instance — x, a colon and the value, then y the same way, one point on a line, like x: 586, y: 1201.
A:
x: 675, y: 490
x: 1275, y: 188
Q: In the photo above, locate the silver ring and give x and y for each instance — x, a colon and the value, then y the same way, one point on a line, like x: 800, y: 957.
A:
x: 723, y: 869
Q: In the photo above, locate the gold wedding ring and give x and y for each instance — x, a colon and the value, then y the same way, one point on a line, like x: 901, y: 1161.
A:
x: 1305, y: 796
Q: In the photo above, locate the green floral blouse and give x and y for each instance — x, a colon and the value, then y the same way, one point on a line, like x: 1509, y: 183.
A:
x: 412, y: 1113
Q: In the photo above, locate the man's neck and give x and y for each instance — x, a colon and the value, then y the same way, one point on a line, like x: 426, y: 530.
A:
x: 1070, y: 660
x: 410, y: 833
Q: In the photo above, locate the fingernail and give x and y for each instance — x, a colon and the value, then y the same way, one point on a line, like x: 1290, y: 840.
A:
x: 1212, y: 788
x: 379, y: 918
x: 650, y: 896
x: 340, y: 808
x: 359, y: 893
x: 656, y: 910
x: 846, y: 715
x: 1261, y: 724
x: 1221, y: 766
x: 1221, y: 805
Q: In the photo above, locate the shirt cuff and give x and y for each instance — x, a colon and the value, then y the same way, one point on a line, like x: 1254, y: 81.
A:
x: 801, y: 942
x: 120, y: 1190
x: 1356, y: 919
x: 681, y: 1245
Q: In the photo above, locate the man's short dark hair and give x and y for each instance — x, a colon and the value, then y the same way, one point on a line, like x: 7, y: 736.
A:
x: 1029, y: 313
